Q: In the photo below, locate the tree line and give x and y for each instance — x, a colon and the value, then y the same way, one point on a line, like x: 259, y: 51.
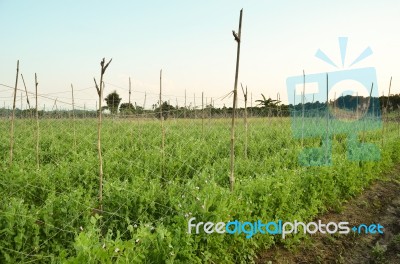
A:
x: 265, y: 107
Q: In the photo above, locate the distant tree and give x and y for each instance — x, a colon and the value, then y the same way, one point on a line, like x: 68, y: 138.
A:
x: 268, y: 104
x: 113, y: 101
x: 139, y: 109
x: 127, y: 109
x: 166, y: 108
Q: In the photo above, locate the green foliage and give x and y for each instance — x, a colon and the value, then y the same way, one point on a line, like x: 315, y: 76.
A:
x: 47, y: 216
x: 127, y: 109
x: 113, y: 101
x: 166, y: 109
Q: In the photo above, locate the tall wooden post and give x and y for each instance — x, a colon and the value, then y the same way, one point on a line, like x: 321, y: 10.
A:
x: 245, y: 120
x: 327, y: 121
x: 129, y: 91
x: 37, y: 122
x: 100, y: 94
x: 385, y: 118
x: 238, y: 40
x: 13, y: 116
x: 302, y: 103
x: 26, y: 93
x: 184, y: 110
x: 194, y: 105
x: 202, y: 113
x: 162, y: 128
x: 73, y: 115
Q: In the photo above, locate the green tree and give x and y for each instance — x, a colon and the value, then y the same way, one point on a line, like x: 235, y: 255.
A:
x: 113, y: 101
x: 166, y: 108
x: 268, y: 104
x: 127, y: 109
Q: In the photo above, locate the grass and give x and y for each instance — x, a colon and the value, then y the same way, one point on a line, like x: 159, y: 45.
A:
x: 47, y: 215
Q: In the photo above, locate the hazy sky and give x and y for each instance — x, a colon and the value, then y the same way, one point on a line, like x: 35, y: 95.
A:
x: 64, y: 41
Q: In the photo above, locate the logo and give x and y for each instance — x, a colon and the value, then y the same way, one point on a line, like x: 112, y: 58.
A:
x: 338, y: 102
x: 249, y: 229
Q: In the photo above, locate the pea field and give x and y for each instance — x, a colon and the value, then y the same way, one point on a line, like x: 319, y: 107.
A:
x: 49, y: 211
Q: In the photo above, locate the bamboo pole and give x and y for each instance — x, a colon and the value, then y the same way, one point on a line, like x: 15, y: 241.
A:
x: 26, y: 93
x: 277, y: 107
x: 327, y: 120
x: 100, y: 94
x: 238, y: 40
x: 385, y: 119
x: 184, y: 110
x: 177, y: 107
x: 73, y: 115
x: 357, y: 107
x: 294, y: 106
x: 211, y: 108
x: 129, y: 92
x: 202, y: 113
x: 373, y: 106
x: 398, y: 120
x: 162, y: 129
x: 245, y: 120
x: 369, y: 102
x: 37, y: 123
x: 206, y: 109
x: 54, y: 105
x: 302, y: 103
x: 388, y: 100
x: 335, y: 110
x: 13, y: 117
x: 194, y: 105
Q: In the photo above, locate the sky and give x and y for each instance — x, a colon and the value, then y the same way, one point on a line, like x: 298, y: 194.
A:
x: 192, y: 42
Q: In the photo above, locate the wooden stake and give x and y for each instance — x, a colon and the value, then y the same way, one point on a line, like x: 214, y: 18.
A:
x: 385, y: 119
x: 184, y: 110
x: 245, y: 120
x: 302, y: 103
x: 202, y: 113
x: 13, y: 117
x: 100, y: 94
x: 357, y: 107
x: 238, y: 40
x: 277, y: 108
x: 366, y: 115
x: 26, y: 93
x: 390, y: 86
x: 398, y: 120
x: 294, y: 106
x: 211, y: 107
x: 129, y: 92
x: 37, y: 123
x: 327, y: 120
x: 55, y: 105
x: 73, y: 115
x: 162, y: 128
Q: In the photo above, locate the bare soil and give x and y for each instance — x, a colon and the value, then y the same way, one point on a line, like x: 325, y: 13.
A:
x: 380, y: 203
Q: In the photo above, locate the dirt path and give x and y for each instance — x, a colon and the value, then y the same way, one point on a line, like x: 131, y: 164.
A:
x: 378, y: 204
